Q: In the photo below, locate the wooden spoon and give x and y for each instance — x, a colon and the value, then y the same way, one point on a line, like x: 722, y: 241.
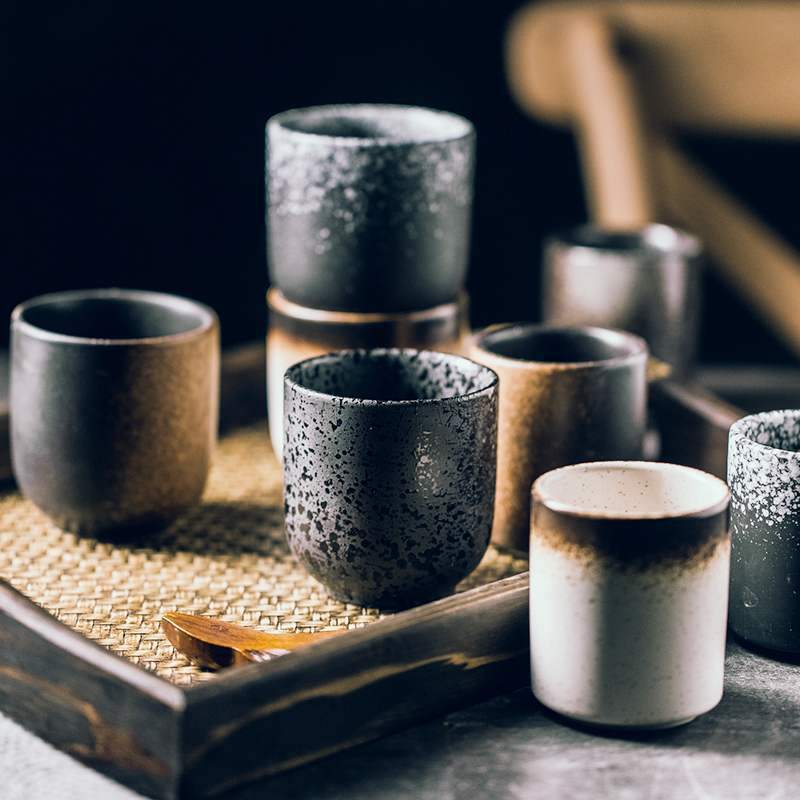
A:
x: 216, y: 644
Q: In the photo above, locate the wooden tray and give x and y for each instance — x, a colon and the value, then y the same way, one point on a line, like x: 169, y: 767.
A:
x: 200, y: 740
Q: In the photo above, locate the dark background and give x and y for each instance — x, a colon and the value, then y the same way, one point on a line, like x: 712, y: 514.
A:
x: 133, y: 152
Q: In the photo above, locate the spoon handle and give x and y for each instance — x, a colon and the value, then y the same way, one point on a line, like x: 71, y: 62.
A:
x: 214, y: 643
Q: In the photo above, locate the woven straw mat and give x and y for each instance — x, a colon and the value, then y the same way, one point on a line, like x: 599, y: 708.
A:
x: 226, y: 559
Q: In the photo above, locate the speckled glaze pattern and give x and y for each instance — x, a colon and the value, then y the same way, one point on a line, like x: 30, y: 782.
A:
x: 389, y: 470
x: 368, y: 206
x: 764, y: 476
x: 629, y: 578
x: 646, y: 281
x: 554, y: 413
x: 113, y: 435
x: 296, y: 333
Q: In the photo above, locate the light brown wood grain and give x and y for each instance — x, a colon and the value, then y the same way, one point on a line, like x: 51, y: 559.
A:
x: 751, y: 256
x: 723, y: 65
x: 609, y: 125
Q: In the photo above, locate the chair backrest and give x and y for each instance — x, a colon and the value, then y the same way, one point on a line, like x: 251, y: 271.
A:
x: 624, y: 73
x: 724, y: 65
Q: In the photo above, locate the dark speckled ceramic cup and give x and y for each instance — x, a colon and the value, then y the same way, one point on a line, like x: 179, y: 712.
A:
x: 297, y: 333
x: 368, y: 206
x: 764, y: 476
x: 389, y: 468
x: 114, y: 397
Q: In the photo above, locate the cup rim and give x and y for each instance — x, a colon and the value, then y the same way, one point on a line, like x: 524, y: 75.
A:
x: 459, y: 127
x: 290, y: 382
x: 737, y: 431
x: 712, y: 508
x: 208, y: 316
x: 637, y: 343
x: 280, y: 304
x: 655, y: 237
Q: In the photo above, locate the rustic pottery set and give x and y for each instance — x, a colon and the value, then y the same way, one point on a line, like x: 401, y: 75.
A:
x: 408, y: 443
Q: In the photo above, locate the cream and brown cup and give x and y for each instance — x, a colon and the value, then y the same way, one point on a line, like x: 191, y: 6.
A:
x: 296, y: 333
x: 629, y: 592
x: 567, y: 394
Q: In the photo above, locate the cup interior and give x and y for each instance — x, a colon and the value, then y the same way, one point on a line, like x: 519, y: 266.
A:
x: 654, y: 238
x: 630, y: 489
x: 560, y: 345
x: 779, y: 430
x: 385, y: 123
x: 114, y: 315
x: 391, y: 376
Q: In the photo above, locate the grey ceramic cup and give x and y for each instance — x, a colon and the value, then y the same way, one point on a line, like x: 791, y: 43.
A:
x: 297, y: 332
x: 645, y: 281
x: 567, y: 394
x: 389, y: 471
x: 764, y: 476
x: 368, y: 206
x: 114, y: 397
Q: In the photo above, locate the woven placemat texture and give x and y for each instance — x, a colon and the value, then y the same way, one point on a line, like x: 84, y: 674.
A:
x: 227, y: 559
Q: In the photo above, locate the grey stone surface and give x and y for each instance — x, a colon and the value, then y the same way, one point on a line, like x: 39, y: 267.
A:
x: 747, y: 748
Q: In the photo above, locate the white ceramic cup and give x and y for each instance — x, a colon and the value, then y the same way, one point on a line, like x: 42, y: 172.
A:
x: 629, y: 592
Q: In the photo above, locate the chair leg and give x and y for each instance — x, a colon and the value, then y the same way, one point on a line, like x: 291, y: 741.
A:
x: 609, y: 125
x: 763, y: 268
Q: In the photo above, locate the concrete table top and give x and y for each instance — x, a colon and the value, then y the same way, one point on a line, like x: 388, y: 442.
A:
x: 509, y: 747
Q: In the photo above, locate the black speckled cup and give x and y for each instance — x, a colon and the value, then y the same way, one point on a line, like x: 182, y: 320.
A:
x: 368, y: 206
x: 296, y: 333
x: 764, y: 476
x: 389, y: 468
x: 114, y: 397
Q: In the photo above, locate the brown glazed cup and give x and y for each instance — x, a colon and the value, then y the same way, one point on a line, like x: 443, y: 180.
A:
x: 114, y: 397
x: 567, y: 394
x: 297, y: 332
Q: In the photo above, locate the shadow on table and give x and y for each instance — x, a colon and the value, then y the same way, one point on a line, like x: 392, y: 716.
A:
x: 763, y: 652
x: 416, y: 762
x: 759, y: 713
x: 741, y: 723
x: 216, y: 528
x: 759, y: 716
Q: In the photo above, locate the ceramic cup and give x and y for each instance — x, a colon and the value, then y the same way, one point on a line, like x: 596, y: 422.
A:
x: 764, y: 476
x: 629, y: 592
x: 389, y: 471
x: 645, y: 281
x: 368, y: 206
x: 297, y: 332
x: 114, y: 397
x: 566, y: 395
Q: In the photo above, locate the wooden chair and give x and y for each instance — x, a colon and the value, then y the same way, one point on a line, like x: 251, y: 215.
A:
x: 624, y: 74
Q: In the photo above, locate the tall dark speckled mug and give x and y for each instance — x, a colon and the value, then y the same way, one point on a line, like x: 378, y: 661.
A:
x: 114, y: 398
x: 764, y: 476
x: 389, y: 471
x: 369, y: 206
